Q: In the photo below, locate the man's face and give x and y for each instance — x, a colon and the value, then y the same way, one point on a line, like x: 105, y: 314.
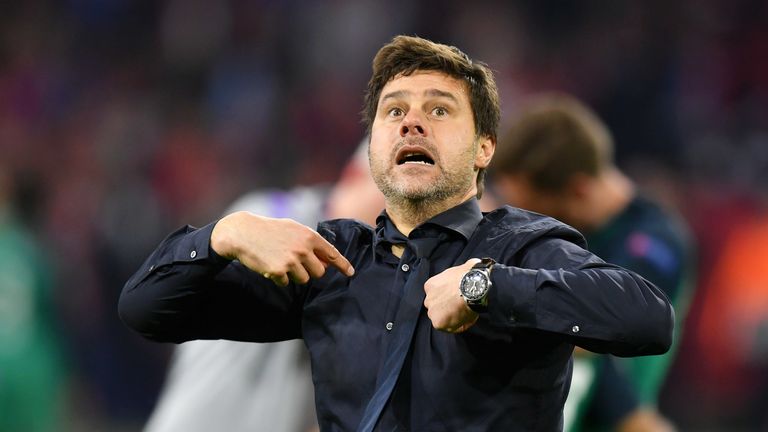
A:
x: 423, y: 144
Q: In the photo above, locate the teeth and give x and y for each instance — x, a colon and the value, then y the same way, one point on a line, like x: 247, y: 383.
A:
x: 417, y: 158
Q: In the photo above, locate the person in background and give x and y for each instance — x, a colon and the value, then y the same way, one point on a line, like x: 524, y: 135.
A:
x: 731, y: 332
x: 441, y: 317
x: 32, y: 372
x: 557, y: 159
x: 244, y: 387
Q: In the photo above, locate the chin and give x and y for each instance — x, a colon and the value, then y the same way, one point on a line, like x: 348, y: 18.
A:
x: 415, y: 194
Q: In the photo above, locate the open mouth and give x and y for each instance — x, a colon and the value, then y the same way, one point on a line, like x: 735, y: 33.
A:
x: 414, y: 156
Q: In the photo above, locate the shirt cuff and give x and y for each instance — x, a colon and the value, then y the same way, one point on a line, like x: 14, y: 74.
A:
x: 191, y: 245
x: 511, y: 300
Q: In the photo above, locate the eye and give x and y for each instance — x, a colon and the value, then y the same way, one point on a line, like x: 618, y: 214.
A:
x: 439, y: 111
x: 395, y: 112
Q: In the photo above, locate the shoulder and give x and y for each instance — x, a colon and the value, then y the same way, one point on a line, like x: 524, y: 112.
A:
x: 649, y: 239
x: 346, y: 232
x: 646, y: 218
x: 525, y: 226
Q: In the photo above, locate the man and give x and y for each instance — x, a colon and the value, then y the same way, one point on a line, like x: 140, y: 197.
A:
x: 557, y: 159
x: 32, y: 367
x: 410, y: 325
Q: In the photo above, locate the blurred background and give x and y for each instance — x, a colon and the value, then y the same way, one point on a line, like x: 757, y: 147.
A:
x: 121, y: 120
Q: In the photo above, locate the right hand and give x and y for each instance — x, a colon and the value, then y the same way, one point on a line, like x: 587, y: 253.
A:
x: 282, y: 250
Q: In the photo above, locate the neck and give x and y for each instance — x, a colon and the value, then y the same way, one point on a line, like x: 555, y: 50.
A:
x: 408, y: 214
x: 614, y: 193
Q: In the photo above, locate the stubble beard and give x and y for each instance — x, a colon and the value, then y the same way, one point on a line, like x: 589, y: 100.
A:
x: 417, y: 203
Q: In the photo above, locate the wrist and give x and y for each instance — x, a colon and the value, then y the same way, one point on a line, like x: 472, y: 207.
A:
x: 223, y: 236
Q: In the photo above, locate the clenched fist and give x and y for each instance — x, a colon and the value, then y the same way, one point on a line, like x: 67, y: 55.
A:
x: 446, y: 307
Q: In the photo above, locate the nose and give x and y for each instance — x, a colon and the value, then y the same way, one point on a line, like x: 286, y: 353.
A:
x: 412, y: 124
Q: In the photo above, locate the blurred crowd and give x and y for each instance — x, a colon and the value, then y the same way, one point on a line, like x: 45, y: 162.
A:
x: 121, y: 120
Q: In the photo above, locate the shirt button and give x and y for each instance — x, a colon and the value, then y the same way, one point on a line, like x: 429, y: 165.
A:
x: 390, y: 325
x: 575, y: 329
x: 404, y: 267
x: 193, y: 254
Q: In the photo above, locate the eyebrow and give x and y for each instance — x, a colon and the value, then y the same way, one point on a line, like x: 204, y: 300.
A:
x: 440, y: 93
x: 429, y: 92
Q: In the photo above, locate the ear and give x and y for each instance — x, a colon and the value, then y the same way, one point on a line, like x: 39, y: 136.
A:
x: 485, y: 148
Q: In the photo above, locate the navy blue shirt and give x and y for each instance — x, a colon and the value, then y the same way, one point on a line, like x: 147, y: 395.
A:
x: 509, y: 372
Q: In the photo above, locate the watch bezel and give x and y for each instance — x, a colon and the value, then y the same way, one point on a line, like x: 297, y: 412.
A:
x: 478, y: 303
x: 486, y: 285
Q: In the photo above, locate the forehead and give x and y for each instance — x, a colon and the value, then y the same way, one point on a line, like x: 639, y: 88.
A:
x: 420, y: 83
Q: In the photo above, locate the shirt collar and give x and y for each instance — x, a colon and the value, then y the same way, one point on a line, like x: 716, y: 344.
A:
x: 462, y: 219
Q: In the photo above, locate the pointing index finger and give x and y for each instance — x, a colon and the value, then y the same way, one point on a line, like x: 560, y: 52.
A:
x: 330, y: 255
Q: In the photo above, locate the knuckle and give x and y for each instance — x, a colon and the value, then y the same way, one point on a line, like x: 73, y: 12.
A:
x: 307, y: 235
x: 281, y: 269
x: 429, y: 285
x: 299, y: 252
x: 318, y: 272
x: 432, y: 317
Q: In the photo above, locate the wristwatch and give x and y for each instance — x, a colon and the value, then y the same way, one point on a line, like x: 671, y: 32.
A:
x: 476, y: 283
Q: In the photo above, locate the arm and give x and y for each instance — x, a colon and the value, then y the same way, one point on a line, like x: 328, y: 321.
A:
x: 559, y: 287
x: 562, y: 288
x: 191, y: 287
x: 667, y: 263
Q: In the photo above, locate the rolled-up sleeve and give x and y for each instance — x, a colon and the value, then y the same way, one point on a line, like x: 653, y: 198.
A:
x: 186, y: 291
x: 560, y: 287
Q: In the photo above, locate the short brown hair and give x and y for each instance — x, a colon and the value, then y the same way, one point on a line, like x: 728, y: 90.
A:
x: 554, y: 137
x: 405, y: 55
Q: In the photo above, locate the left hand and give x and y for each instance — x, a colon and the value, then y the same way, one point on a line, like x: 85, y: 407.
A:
x: 446, y: 307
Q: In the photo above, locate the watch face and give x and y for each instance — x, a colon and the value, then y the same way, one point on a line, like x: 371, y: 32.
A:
x: 474, y: 285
